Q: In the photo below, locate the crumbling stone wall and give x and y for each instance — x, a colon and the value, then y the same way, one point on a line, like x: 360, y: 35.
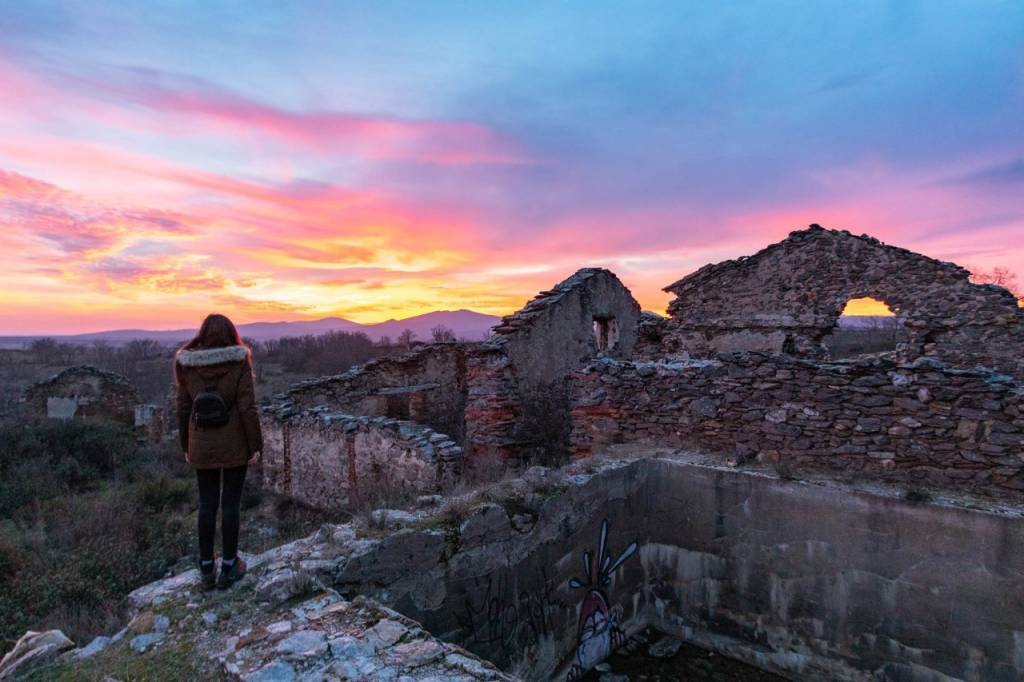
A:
x: 788, y: 297
x: 917, y: 422
x: 590, y: 314
x: 336, y: 461
x: 650, y: 336
x: 85, y: 393
x: 426, y: 385
x: 505, y: 397
x: 556, y: 331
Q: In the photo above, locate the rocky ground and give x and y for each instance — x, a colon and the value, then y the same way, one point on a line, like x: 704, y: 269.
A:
x: 652, y: 657
x: 278, y: 624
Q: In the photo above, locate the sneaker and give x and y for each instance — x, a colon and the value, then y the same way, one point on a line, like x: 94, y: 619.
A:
x: 228, y: 576
x: 208, y: 579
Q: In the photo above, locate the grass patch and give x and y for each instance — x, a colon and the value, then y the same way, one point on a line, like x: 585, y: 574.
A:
x: 171, y: 661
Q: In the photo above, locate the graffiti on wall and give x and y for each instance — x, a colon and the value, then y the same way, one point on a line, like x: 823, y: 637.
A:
x: 598, y: 632
x: 501, y: 618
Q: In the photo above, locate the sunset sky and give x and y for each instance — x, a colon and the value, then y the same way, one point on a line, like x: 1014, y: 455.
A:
x: 376, y: 160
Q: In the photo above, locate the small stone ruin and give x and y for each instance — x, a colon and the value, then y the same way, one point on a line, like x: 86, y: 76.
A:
x: 93, y: 395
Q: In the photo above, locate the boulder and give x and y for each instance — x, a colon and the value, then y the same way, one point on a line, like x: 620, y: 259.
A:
x: 31, y: 650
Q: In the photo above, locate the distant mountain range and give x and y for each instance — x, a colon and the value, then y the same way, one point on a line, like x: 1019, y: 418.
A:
x: 465, y: 323
x: 868, y: 322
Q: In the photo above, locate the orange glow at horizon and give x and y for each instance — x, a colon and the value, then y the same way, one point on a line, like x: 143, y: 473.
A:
x: 867, y: 306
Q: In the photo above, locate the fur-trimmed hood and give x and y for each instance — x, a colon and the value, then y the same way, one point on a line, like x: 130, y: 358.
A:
x: 211, y: 356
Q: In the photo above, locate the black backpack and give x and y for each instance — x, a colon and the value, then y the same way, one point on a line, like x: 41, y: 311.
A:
x: 209, y: 409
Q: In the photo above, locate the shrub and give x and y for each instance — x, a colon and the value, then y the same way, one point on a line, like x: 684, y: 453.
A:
x: 77, y: 453
x: 11, y: 552
x: 164, y: 493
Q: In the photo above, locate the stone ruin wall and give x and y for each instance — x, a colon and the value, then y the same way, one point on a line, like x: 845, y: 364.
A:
x: 789, y: 296
x: 487, y: 396
x: 555, y: 332
x: 914, y: 423
x: 85, y: 393
x: 336, y: 461
x: 426, y: 385
x: 917, y: 416
x: 525, y: 391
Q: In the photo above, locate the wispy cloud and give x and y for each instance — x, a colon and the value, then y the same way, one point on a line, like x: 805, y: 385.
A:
x: 1000, y: 174
x: 161, y: 102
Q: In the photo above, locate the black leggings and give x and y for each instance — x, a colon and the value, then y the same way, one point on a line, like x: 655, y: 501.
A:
x: 210, y: 497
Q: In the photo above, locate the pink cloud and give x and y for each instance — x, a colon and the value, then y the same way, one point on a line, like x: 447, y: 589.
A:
x: 180, y: 106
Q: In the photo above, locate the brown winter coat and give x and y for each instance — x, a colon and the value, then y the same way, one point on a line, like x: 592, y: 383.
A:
x: 228, y: 370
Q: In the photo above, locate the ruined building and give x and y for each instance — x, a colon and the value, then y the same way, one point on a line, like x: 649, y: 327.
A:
x: 85, y: 393
x: 93, y: 395
x: 740, y: 376
x: 729, y: 483
x: 328, y: 439
x: 788, y: 296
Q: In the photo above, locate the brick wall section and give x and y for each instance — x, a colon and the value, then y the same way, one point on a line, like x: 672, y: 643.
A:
x: 97, y: 395
x: 492, y: 404
x: 335, y: 461
x: 791, y: 293
x: 918, y: 422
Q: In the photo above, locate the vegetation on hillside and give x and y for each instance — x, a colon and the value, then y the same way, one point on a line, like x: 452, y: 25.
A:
x: 87, y: 514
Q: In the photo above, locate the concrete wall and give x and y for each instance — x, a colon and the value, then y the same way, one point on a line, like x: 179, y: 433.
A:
x: 510, y: 582
x: 915, y: 423
x: 334, y: 461
x: 790, y: 294
x: 826, y: 583
x: 810, y: 581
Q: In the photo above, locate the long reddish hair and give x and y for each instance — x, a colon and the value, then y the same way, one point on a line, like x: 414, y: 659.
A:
x: 216, y: 331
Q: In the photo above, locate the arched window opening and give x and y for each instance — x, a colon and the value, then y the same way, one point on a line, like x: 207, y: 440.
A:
x: 866, y: 326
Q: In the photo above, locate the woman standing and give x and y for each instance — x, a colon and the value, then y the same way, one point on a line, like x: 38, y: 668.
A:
x: 220, y: 435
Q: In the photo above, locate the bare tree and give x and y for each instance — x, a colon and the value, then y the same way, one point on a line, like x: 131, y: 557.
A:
x: 46, y: 350
x: 406, y: 338
x: 102, y: 352
x: 384, y: 341
x: 999, y: 276
x: 442, y: 334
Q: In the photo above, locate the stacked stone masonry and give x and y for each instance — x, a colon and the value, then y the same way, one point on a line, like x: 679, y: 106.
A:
x: 790, y: 295
x: 943, y: 409
x: 336, y: 461
x: 918, y: 422
x: 426, y: 385
x: 485, y: 396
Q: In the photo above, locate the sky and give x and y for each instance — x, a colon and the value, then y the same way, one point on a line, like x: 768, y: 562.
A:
x: 283, y: 161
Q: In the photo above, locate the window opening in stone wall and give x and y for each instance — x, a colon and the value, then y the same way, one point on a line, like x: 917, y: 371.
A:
x: 398, y: 406
x: 606, y: 333
x: 866, y: 326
